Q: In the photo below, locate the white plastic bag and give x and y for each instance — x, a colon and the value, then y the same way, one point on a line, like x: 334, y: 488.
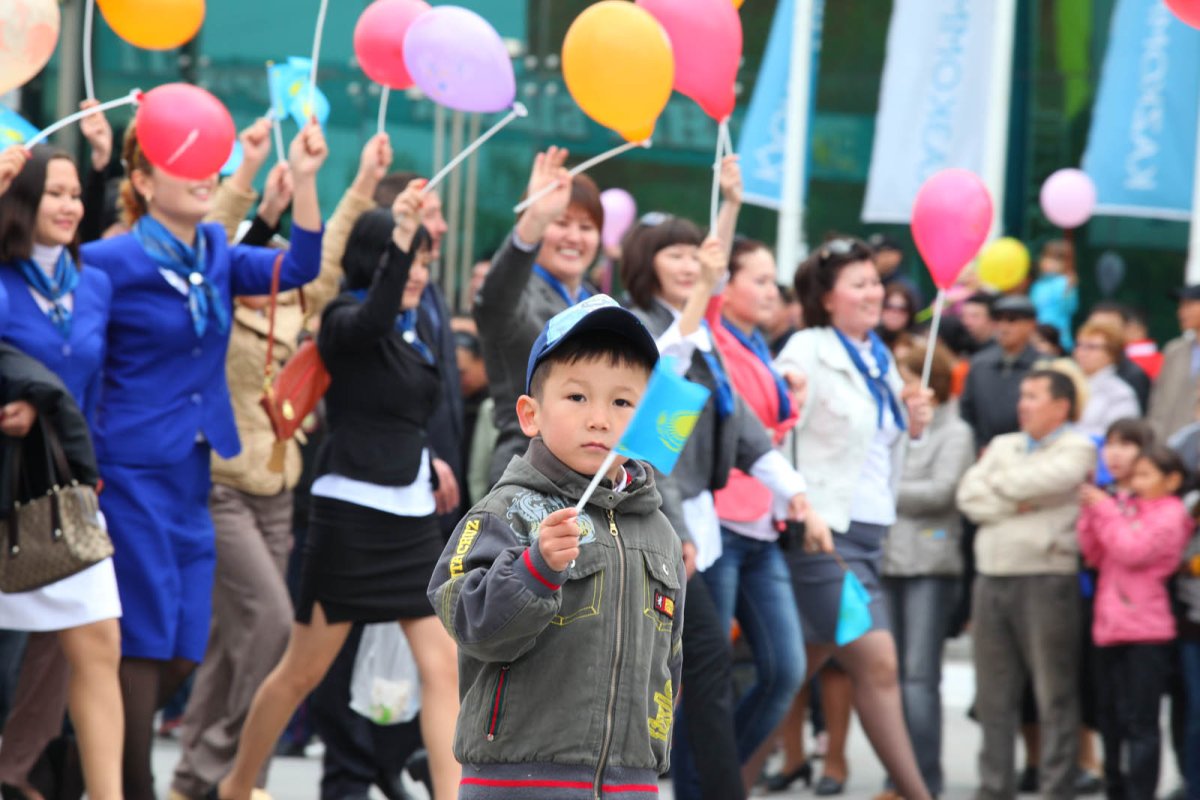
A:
x: 385, y: 687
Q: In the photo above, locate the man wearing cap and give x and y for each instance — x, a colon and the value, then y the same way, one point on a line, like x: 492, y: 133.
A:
x: 1173, y: 400
x: 989, y: 399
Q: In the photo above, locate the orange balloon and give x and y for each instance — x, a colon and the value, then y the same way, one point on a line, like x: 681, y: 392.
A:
x: 154, y: 24
x: 738, y: 4
x: 618, y: 65
x: 28, y: 36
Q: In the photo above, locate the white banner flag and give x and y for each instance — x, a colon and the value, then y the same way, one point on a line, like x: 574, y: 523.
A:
x: 933, y: 101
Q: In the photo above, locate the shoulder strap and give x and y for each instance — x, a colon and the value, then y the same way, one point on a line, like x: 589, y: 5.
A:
x: 270, y: 364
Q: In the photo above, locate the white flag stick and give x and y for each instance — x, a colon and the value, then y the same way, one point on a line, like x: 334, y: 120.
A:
x: 584, y: 167
x: 715, y: 203
x: 129, y: 99
x: 316, y: 55
x: 518, y: 110
x: 591, y: 489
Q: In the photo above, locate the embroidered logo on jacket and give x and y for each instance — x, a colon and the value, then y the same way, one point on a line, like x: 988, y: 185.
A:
x: 664, y: 605
x: 660, y: 724
x: 465, y: 542
x: 527, y: 510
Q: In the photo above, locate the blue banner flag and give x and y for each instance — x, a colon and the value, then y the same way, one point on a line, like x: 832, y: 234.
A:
x: 854, y: 612
x: 1141, y: 150
x: 664, y: 419
x: 764, y: 129
x: 14, y: 129
x: 289, y: 85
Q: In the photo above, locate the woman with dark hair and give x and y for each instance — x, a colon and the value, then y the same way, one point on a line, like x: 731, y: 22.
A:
x: 538, y: 272
x: 849, y: 443
x: 164, y: 407
x: 750, y: 579
x: 899, y: 313
x: 57, y: 312
x: 672, y: 273
x: 373, y: 539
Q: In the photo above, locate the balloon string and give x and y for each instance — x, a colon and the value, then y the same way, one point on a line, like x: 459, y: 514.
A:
x: 277, y: 129
x: 129, y: 99
x: 715, y: 202
x: 383, y: 104
x: 584, y: 167
x: 88, y: 81
x: 518, y: 110
x: 723, y: 132
x: 933, y: 332
x: 316, y: 54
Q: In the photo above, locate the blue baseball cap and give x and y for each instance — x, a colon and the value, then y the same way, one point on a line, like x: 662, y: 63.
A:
x: 598, y: 314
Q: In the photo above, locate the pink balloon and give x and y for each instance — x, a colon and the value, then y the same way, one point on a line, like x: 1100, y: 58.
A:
x: 379, y: 40
x: 950, y: 221
x: 184, y: 130
x: 1068, y: 198
x: 620, y: 210
x: 1187, y: 10
x: 706, y: 36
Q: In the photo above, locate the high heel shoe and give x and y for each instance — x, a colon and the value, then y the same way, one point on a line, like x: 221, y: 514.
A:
x: 828, y: 787
x: 780, y: 781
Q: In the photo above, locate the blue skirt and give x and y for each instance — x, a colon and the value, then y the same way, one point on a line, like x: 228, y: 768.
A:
x: 164, y: 554
x: 817, y: 580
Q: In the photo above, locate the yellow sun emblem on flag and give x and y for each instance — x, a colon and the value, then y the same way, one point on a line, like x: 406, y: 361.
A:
x: 674, y: 429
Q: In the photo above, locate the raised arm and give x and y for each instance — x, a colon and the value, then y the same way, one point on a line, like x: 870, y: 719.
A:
x: 236, y: 193
x: 731, y: 201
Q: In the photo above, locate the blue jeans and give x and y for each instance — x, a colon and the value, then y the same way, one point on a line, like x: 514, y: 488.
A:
x: 920, y: 609
x: 1189, y: 659
x: 751, y: 581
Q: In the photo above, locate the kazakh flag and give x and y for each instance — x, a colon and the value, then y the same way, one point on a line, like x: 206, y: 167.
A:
x: 14, y: 129
x: 664, y: 418
x: 290, y: 93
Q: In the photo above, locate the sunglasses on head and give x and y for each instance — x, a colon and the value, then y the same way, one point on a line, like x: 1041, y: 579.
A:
x: 652, y: 219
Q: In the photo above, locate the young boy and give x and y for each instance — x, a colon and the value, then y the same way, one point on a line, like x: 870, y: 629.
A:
x: 568, y: 626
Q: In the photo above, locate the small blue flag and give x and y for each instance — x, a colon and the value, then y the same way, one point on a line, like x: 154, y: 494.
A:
x: 289, y: 85
x: 1103, y: 476
x: 854, y: 612
x: 14, y: 129
x: 664, y: 418
x: 236, y: 156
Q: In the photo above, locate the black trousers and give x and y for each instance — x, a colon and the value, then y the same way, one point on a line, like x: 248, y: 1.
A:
x: 1131, y: 680
x: 705, y: 756
x: 358, y: 753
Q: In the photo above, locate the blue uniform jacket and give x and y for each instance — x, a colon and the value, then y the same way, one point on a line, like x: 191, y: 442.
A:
x: 162, y: 384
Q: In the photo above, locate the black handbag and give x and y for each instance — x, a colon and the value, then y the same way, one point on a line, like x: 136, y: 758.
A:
x: 54, y: 535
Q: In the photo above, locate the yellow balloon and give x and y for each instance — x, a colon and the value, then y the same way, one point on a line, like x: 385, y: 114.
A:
x: 154, y: 24
x: 618, y: 65
x: 738, y: 4
x: 1003, y: 264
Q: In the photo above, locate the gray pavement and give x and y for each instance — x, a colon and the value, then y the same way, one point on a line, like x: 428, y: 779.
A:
x: 298, y: 778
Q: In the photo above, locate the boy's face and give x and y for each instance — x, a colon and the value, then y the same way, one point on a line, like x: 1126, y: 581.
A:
x: 583, y: 410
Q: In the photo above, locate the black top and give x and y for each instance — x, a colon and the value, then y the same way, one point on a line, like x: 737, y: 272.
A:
x: 383, y: 391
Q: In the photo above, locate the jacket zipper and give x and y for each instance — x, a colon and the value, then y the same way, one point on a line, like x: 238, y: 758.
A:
x: 497, y: 702
x: 616, y: 659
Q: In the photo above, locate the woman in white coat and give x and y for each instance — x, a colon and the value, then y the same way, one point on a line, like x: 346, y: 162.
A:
x: 849, y: 444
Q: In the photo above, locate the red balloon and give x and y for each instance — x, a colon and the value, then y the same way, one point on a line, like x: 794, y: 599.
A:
x: 184, y: 130
x: 1186, y: 10
x: 950, y: 222
x: 706, y: 36
x: 379, y: 40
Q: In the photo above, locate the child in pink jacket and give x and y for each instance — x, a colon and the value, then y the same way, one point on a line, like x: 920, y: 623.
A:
x: 1136, y: 547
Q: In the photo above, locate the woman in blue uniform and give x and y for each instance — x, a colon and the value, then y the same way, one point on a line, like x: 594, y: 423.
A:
x: 57, y: 312
x: 164, y: 406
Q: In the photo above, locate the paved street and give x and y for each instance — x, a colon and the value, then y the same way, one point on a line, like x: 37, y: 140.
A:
x: 297, y: 778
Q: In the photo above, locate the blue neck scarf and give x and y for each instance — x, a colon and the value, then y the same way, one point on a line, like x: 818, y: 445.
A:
x: 406, y: 326
x: 876, y: 378
x: 189, y: 263
x: 561, y: 287
x: 54, y: 289
x: 756, y: 344
x: 724, y: 393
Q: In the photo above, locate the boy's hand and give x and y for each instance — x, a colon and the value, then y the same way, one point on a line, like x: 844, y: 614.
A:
x: 558, y: 539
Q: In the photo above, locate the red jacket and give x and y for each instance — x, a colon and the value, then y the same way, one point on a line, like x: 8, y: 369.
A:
x: 744, y: 499
x: 1136, y: 550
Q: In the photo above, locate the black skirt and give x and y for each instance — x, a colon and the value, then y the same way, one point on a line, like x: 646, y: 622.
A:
x: 365, y: 565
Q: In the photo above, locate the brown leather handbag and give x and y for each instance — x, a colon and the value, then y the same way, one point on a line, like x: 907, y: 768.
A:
x: 54, y: 535
x: 293, y: 394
